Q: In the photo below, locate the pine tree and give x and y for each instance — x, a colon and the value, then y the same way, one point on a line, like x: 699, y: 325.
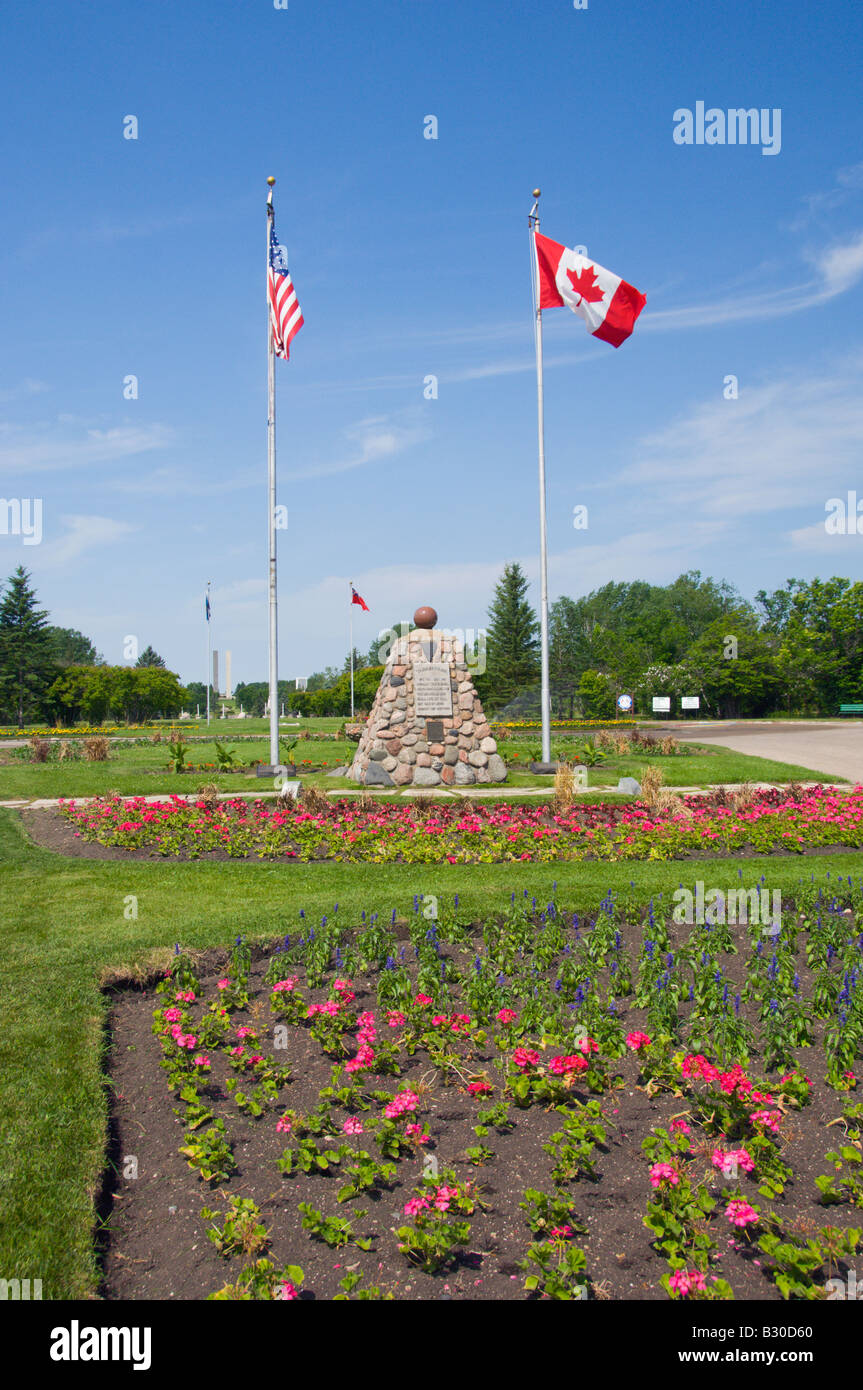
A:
x: 512, y: 646
x: 26, y: 664
x: 149, y: 657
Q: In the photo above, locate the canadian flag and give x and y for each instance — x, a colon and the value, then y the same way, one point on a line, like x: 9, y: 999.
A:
x: 608, y: 305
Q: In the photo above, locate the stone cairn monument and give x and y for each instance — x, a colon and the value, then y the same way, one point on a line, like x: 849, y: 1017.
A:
x: 426, y: 726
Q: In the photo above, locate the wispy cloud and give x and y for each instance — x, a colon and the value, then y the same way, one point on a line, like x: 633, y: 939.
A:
x: 781, y: 442
x: 30, y: 449
x: 371, y: 440
x: 837, y: 269
x: 82, y: 535
x: 849, y: 181
x: 26, y: 388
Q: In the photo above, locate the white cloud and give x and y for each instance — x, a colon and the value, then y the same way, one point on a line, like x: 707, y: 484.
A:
x: 837, y: 270
x: 780, y: 444
x: 82, y: 535
x: 26, y: 449
x: 369, y: 441
x: 26, y: 388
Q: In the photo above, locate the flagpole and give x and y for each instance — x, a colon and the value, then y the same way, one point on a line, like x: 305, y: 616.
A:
x: 271, y: 485
x: 350, y: 640
x: 209, y: 651
x: 545, y: 696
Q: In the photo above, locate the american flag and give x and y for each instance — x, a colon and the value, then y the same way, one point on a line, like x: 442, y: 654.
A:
x: 285, y: 313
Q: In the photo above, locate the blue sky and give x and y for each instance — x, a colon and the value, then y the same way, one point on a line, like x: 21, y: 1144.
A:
x: 410, y: 257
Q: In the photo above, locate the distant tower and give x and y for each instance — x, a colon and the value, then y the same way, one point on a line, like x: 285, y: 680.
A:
x: 227, y: 675
x: 216, y: 672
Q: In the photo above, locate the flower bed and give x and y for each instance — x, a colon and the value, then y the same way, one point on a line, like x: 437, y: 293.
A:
x: 535, y: 1106
x: 417, y: 833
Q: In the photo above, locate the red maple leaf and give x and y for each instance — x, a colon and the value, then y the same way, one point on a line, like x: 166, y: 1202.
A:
x: 586, y: 284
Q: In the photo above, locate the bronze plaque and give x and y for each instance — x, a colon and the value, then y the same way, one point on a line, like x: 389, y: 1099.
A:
x: 434, y: 730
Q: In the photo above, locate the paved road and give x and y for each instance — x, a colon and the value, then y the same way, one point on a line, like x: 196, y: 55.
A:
x: 835, y: 749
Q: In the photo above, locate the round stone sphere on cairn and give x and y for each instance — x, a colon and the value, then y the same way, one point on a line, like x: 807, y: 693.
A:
x: 426, y: 727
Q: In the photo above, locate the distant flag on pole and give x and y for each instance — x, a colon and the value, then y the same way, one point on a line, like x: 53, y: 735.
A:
x: 285, y: 312
x: 608, y: 305
x: 207, y: 602
x: 355, y: 598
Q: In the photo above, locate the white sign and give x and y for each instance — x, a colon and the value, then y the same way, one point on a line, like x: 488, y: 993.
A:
x: 661, y: 704
x: 624, y: 702
x: 689, y: 702
x: 432, y: 690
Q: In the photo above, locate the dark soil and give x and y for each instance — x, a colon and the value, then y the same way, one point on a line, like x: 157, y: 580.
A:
x: 156, y: 1240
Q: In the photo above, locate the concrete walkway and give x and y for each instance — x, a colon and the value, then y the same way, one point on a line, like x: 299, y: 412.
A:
x: 835, y: 749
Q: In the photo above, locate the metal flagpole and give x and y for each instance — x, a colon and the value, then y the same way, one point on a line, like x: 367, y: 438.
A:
x: 545, y: 697
x: 350, y: 638
x: 271, y: 475
x: 209, y: 651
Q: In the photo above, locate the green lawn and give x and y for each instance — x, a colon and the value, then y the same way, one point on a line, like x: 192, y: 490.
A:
x: 65, y: 931
x: 141, y: 770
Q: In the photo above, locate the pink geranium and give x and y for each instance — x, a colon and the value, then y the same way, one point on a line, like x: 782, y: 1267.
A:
x: 740, y: 1213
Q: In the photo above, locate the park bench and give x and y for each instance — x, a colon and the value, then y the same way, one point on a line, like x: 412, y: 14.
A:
x: 851, y: 709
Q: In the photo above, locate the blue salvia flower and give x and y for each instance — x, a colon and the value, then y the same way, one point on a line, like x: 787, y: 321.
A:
x: 456, y: 900
x: 416, y: 903
x: 558, y: 986
x: 477, y: 965
x: 393, y: 918
x: 649, y: 947
x: 717, y: 977
x: 773, y: 967
x: 176, y: 948
x: 737, y: 1003
x: 774, y: 1006
x: 402, y: 953
x: 390, y: 964
x: 612, y: 1008
x: 339, y: 957
x: 303, y: 912
x: 669, y: 959
x: 618, y: 939
x: 501, y: 979
x: 796, y: 983
x: 287, y: 943
x: 579, y: 995
x: 725, y: 994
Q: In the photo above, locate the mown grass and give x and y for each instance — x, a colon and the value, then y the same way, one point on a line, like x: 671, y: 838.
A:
x: 65, y: 932
x: 142, y: 771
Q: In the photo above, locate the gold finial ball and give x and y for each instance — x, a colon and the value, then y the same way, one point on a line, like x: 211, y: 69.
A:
x: 271, y: 180
x: 536, y: 192
x: 425, y: 617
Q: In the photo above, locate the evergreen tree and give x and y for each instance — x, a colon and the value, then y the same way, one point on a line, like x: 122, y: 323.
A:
x: 149, y: 657
x: 512, y: 645
x: 26, y: 667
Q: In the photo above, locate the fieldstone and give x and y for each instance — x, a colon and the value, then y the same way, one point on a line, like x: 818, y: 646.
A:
x: 436, y: 750
x: 421, y: 746
x: 487, y: 745
x: 403, y: 775
x: 397, y: 717
x: 463, y: 776
x: 497, y: 768
x: 426, y: 777
x: 629, y: 784
x: 389, y: 763
x: 339, y: 771
x: 396, y: 680
x: 476, y: 758
x: 465, y: 701
x: 462, y: 755
x: 466, y: 727
x: 423, y: 760
x: 377, y: 755
x: 446, y: 775
x: 482, y: 730
x: 408, y: 740
x: 437, y: 764
x: 398, y: 673
x: 407, y: 755
x: 483, y: 774
x: 450, y: 755
x: 393, y: 746
x: 377, y: 776
x: 401, y: 702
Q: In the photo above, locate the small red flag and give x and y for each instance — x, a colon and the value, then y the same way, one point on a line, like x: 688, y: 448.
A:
x: 355, y: 598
